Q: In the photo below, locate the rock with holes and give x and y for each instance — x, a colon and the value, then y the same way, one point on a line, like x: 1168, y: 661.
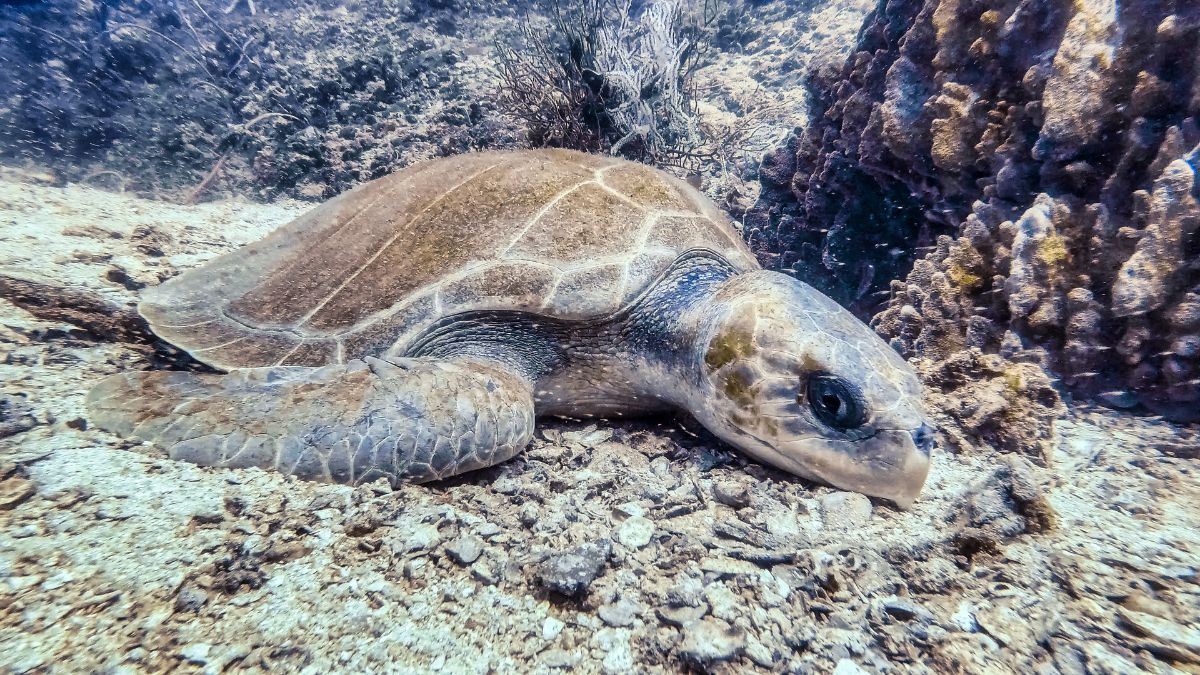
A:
x: 412, y: 329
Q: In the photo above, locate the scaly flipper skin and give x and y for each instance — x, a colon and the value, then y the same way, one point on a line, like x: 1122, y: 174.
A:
x: 407, y: 420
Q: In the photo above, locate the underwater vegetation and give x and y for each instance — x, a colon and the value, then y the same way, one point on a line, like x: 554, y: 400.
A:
x: 604, y: 78
x: 1046, y: 152
x: 184, y: 100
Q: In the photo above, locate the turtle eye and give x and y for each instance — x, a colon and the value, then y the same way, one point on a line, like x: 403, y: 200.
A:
x: 836, y: 402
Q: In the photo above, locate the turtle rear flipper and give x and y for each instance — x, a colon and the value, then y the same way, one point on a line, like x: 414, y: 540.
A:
x: 404, y: 419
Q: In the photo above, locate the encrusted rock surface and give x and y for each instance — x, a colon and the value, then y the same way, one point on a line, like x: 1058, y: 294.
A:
x: 115, y: 559
x: 1046, y: 152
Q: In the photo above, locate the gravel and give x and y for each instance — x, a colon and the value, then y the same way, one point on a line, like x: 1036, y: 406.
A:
x: 1001, y: 565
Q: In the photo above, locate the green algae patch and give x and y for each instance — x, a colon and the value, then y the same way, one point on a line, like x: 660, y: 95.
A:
x: 964, y: 278
x: 1053, y: 250
x: 727, y: 347
x: 738, y: 389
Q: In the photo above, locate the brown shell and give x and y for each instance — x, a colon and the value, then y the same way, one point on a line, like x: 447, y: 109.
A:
x: 555, y: 232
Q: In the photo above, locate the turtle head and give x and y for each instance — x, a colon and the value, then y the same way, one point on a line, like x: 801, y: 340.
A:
x: 793, y: 379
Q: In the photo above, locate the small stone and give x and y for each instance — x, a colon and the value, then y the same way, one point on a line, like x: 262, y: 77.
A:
x: 620, y: 613
x: 724, y: 602
x: 114, y: 510
x: 196, y: 653
x: 572, y: 572
x: 1181, y: 643
x: 208, y: 511
x: 964, y: 618
x: 488, y: 530
x: 466, y: 549
x: 711, y: 641
x: 484, y: 573
x: 619, y: 659
x: 759, y: 654
x: 57, y: 581
x: 505, y: 486
x: 728, y: 566
x: 845, y: 510
x: 682, y: 616
x: 733, y: 493
x: 415, y: 568
x: 635, y: 532
x: 422, y: 538
x: 687, y: 592
x: 906, y: 610
x: 558, y: 658
x: 552, y: 628
x: 589, y: 437
x: 190, y: 599
x: 14, y: 491
x: 848, y: 667
x: 629, y: 510
x: 530, y: 514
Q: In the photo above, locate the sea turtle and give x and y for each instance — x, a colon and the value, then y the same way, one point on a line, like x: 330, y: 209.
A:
x: 413, y: 327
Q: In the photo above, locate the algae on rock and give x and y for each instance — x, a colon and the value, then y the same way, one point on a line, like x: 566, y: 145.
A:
x: 1024, y: 175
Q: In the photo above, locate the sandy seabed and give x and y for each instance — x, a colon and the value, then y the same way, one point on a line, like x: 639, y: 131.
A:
x: 683, y: 554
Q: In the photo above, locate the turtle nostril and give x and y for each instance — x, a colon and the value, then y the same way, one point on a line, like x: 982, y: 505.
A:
x: 923, y: 438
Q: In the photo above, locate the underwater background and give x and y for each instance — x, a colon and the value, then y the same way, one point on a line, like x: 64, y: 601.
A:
x: 1006, y: 190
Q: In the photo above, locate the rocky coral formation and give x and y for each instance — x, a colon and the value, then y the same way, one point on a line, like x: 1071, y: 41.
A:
x: 1046, y: 152
x: 184, y: 101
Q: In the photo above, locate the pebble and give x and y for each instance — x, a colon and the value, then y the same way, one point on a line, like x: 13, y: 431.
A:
x: 724, y: 602
x: 728, y: 566
x: 558, y: 658
x: 629, y: 510
x: 190, y: 598
x: 710, y: 641
x: 196, y: 652
x: 732, y: 493
x: 620, y: 613
x: 682, y: 616
x: 57, y: 581
x: 114, y: 511
x: 505, y: 486
x: 906, y: 610
x: 964, y: 618
x: 589, y: 437
x: 422, y: 538
x: 759, y: 654
x: 848, y: 667
x: 552, y: 628
x: 488, y: 529
x: 208, y: 511
x: 466, y: 549
x: 618, y: 660
x: 845, y: 510
x: 688, y: 591
x: 635, y: 532
x: 14, y: 491
x: 1182, y: 642
x: 485, y: 573
x: 572, y: 572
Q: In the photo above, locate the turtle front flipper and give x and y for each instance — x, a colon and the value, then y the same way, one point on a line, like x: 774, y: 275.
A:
x: 401, y: 419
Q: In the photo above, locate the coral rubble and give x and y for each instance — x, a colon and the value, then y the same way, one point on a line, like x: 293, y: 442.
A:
x: 1046, y: 153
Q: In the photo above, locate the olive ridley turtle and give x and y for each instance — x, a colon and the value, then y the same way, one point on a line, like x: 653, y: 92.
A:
x: 414, y: 327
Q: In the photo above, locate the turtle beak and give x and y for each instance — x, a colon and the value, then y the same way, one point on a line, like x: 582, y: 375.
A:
x: 892, y: 464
